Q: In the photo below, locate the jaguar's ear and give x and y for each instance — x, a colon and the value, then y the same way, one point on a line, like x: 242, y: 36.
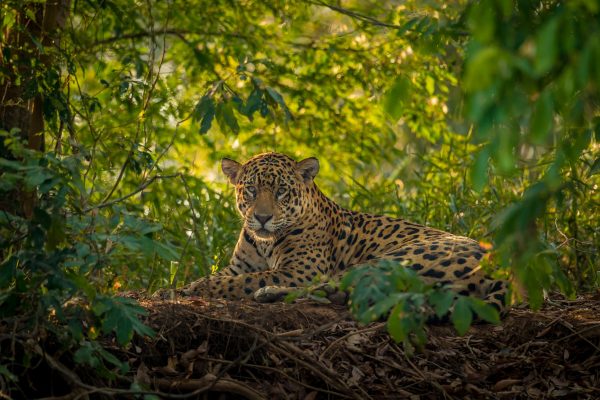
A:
x: 308, y: 168
x: 231, y: 168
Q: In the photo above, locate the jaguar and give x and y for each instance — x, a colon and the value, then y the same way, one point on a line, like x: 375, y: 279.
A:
x: 292, y: 233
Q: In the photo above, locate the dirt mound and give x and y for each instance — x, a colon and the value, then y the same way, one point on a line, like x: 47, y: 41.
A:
x: 312, y: 351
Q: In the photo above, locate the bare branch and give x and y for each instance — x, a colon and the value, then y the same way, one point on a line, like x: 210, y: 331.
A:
x: 136, y: 191
x: 354, y: 14
x: 197, y: 386
x: 159, y: 31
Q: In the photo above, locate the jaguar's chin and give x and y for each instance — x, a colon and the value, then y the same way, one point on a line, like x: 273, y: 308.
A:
x: 264, y: 234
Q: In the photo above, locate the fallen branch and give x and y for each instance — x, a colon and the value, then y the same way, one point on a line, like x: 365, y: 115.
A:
x: 209, y: 383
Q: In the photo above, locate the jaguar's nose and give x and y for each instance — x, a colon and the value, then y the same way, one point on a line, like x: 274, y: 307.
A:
x: 263, y: 219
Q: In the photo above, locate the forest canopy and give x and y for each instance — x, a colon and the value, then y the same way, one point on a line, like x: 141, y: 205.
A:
x: 476, y: 117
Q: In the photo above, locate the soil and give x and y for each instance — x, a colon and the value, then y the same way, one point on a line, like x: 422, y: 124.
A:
x: 306, y: 350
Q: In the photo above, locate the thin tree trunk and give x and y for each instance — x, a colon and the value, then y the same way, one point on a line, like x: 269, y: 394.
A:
x: 18, y: 109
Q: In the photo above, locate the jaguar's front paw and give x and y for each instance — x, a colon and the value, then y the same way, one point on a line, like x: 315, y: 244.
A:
x: 271, y: 294
x: 198, y: 288
x: 164, y: 294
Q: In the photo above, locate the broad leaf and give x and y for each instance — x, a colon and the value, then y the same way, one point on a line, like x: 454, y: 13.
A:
x: 462, y: 315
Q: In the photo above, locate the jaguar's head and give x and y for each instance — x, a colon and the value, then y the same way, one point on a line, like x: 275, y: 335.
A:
x: 273, y: 191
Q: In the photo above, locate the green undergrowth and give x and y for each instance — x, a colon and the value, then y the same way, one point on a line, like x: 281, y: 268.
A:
x: 393, y: 292
x: 475, y: 117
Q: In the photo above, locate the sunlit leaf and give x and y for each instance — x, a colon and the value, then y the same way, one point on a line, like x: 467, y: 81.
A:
x: 397, y: 97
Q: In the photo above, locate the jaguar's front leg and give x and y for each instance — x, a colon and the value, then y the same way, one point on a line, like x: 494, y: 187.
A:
x: 324, y: 292
x: 242, y: 286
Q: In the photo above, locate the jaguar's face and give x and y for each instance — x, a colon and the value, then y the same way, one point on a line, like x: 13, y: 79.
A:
x: 272, y: 191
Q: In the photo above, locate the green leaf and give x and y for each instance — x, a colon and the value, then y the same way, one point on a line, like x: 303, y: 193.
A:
x: 15, y: 165
x: 407, y: 26
x: 56, y: 232
x: 479, y: 169
x: 429, y: 84
x: 121, y: 316
x: 205, y: 112
x: 581, y: 141
x: 395, y: 325
x: 253, y: 103
x: 112, y: 359
x: 505, y: 150
x: 76, y: 328
x: 535, y: 291
x: 226, y: 118
x: 482, y: 20
x: 351, y: 277
x: 230, y: 118
x: 131, y: 242
x: 7, y: 374
x: 7, y: 272
x: 86, y: 355
x: 81, y: 282
x: 293, y: 295
x: 173, y: 268
x: 37, y: 176
x: 397, y: 97
x: 441, y: 300
x: 279, y: 100
x: 485, y: 67
x: 92, y: 353
x: 166, y: 251
x: 541, y: 118
x: 30, y: 14
x: 562, y: 280
x: 595, y: 168
x: 546, y: 47
x: 461, y: 315
x: 41, y: 216
x: 485, y: 311
x: 8, y: 20
x: 382, y: 307
x: 207, y: 119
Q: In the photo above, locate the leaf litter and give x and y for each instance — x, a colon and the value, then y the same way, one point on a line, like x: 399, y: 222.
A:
x: 308, y: 350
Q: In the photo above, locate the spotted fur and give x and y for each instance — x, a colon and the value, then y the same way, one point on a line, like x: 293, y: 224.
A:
x: 292, y: 233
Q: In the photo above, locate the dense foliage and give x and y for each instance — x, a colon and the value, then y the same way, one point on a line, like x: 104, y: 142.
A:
x: 476, y: 117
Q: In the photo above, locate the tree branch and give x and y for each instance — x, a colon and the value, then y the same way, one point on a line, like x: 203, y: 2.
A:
x: 136, y: 191
x: 374, y: 21
x: 354, y: 14
x: 173, y: 32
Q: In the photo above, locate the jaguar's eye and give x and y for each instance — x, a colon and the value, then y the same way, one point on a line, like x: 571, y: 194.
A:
x: 280, y: 192
x: 251, y: 190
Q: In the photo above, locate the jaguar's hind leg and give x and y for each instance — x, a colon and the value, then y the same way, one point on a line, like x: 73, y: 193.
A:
x: 497, y: 295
